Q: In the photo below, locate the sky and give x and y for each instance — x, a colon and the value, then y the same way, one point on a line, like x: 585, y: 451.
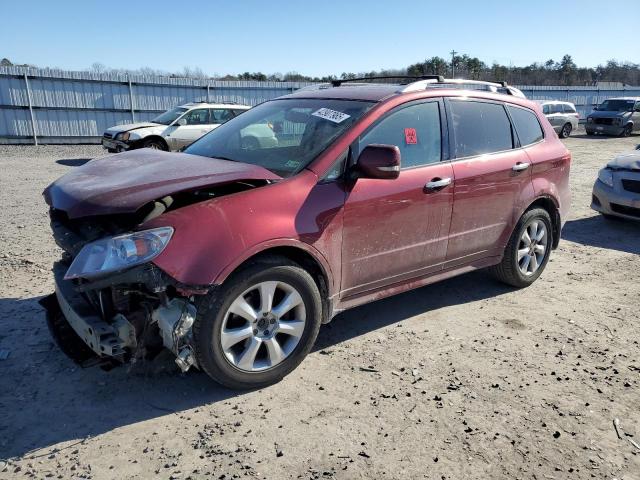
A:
x: 312, y: 37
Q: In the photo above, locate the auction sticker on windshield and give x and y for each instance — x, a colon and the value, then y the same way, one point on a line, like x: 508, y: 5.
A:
x: 331, y: 115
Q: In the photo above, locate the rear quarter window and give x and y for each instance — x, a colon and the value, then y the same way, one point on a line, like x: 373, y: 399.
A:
x: 527, y: 125
x: 568, y: 108
x: 480, y: 128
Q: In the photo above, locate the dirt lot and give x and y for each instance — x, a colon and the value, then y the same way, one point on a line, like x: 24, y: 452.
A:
x: 464, y: 379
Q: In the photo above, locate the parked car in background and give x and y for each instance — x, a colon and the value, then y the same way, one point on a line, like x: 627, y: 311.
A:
x: 232, y: 256
x: 615, y: 116
x: 616, y: 192
x: 172, y: 130
x: 562, y: 116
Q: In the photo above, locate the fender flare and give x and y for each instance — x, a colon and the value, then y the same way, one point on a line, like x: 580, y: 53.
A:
x: 555, y: 216
x: 275, y: 243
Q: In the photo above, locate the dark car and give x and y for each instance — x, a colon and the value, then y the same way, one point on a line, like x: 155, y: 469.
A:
x: 232, y: 257
x: 615, y: 116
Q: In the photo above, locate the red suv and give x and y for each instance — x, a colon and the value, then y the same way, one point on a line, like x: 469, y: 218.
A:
x: 232, y: 253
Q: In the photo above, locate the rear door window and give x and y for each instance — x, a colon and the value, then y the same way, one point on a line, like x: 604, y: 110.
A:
x: 556, y: 108
x: 221, y: 115
x: 526, y: 125
x: 480, y: 128
x: 199, y: 116
x: 415, y: 130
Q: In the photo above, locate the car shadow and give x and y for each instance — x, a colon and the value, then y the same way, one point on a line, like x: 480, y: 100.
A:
x: 592, y: 137
x: 72, y: 162
x: 597, y: 231
x: 466, y: 288
x: 46, y: 399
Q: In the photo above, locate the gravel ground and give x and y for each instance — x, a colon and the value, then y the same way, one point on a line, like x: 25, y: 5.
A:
x: 463, y: 379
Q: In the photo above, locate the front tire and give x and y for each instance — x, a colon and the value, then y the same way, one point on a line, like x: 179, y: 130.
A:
x: 628, y: 130
x: 259, y: 325
x: 154, y: 144
x: 527, y: 252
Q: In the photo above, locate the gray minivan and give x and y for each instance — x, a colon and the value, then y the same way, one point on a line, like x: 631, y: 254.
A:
x: 562, y: 116
x: 615, y: 116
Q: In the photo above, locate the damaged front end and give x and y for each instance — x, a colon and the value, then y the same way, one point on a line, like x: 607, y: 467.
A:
x: 111, y: 303
x: 121, y: 318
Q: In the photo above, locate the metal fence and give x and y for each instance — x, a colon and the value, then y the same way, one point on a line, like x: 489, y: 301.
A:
x: 53, y: 106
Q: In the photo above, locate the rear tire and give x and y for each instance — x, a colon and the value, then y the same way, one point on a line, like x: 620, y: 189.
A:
x: 566, y: 130
x: 277, y: 353
x: 510, y: 270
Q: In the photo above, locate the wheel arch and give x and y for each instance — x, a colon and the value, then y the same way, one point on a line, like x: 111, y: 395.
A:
x: 304, y: 256
x: 140, y: 143
x: 551, y: 206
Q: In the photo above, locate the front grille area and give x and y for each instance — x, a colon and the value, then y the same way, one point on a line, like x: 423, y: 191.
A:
x: 631, y: 185
x: 603, y: 121
x: 624, y: 210
x: 107, y: 135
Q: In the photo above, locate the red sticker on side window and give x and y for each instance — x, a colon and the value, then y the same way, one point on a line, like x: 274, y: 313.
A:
x: 410, y: 136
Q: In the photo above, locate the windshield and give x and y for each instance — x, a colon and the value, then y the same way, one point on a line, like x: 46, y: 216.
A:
x: 170, y: 116
x: 616, y: 105
x: 283, y: 136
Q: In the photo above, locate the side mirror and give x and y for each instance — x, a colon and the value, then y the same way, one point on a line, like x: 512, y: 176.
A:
x: 379, y: 161
x: 181, y: 122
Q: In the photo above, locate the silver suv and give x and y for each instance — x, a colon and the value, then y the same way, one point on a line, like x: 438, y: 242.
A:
x: 562, y: 116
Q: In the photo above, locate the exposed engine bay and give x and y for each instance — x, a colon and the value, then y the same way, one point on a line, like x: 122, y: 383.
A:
x: 132, y: 314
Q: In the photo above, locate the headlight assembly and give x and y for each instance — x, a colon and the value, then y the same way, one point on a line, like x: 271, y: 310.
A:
x: 124, y: 136
x: 589, y: 120
x: 606, y: 176
x: 118, y: 253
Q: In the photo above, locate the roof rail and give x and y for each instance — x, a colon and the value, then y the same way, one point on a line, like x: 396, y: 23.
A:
x: 491, y: 86
x: 337, y: 83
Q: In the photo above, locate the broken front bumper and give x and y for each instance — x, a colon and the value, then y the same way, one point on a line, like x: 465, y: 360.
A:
x: 170, y: 319
x: 103, y: 338
x: 118, y: 145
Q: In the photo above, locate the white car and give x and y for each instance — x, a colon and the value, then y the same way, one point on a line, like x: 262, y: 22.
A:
x: 181, y: 126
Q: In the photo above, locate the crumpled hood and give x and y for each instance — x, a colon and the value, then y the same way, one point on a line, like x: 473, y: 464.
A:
x: 124, y: 182
x: 132, y: 126
x: 626, y: 161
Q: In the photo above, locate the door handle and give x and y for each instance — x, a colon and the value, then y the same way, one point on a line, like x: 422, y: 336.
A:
x: 519, y: 167
x: 438, y: 183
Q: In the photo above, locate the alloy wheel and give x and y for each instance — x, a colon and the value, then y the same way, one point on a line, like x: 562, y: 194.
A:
x: 532, y: 247
x: 263, y: 326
